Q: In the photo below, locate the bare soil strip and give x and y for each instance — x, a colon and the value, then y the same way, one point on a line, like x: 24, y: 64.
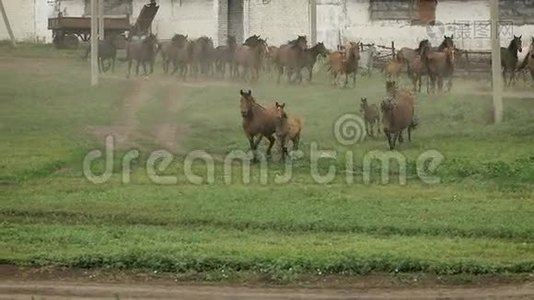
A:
x: 80, y: 290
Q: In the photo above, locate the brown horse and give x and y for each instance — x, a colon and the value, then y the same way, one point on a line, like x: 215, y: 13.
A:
x: 107, y: 51
x: 439, y: 65
x: 175, y: 52
x: 371, y: 116
x: 407, y: 55
x: 258, y: 121
x: 509, y: 59
x: 287, y: 129
x: 202, y: 53
x: 289, y: 57
x: 393, y: 69
x: 345, y: 62
x: 142, y: 51
x: 397, y: 114
x: 250, y: 57
x: 310, y: 58
x: 224, y: 55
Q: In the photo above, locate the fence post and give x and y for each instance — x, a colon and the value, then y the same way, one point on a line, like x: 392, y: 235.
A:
x: 393, y: 49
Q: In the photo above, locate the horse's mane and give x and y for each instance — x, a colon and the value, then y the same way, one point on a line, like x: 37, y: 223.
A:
x: 421, y: 46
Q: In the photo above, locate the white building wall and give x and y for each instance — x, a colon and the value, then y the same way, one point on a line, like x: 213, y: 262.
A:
x: 277, y: 20
x: 20, y: 14
x: 192, y: 17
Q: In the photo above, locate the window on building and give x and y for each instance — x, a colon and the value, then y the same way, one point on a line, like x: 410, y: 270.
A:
x: 517, y: 12
x: 112, y: 7
x: 415, y: 11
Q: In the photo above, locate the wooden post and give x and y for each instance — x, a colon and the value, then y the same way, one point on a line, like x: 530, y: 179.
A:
x: 94, y: 42
x: 313, y: 21
x: 393, y: 49
x: 496, y: 62
x: 101, y: 19
x: 8, y: 26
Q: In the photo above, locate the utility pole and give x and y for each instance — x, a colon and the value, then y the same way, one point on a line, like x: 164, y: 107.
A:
x: 94, y: 42
x: 313, y: 21
x: 8, y: 26
x: 496, y: 62
x: 101, y: 19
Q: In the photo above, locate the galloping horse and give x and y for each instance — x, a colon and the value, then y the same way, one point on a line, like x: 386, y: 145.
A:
x: 258, y: 121
x: 417, y: 68
x: 225, y: 55
x: 202, y: 53
x: 250, y: 56
x: 175, y: 52
x: 310, y: 57
x: 142, y: 51
x: 107, y: 50
x: 345, y: 62
x: 509, y: 59
x: 439, y: 65
x: 290, y: 57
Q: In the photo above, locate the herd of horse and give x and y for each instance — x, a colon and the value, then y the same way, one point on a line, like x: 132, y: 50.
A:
x: 199, y: 57
x: 394, y: 115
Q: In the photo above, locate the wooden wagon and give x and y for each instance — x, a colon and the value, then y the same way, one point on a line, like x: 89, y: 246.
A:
x: 66, y: 31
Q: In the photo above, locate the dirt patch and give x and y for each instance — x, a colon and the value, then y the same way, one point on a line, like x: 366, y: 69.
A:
x: 53, y: 283
x: 127, y: 134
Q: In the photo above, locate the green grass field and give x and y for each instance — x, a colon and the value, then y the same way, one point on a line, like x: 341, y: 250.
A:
x: 477, y: 220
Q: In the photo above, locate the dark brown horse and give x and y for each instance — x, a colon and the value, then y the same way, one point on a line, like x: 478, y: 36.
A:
x: 258, y: 122
x: 249, y: 57
x: 107, y: 51
x: 175, y: 52
x: 345, y: 62
x: 202, y: 56
x: 310, y: 58
x: 289, y: 57
x: 224, y: 55
x: 143, y: 51
x: 509, y: 59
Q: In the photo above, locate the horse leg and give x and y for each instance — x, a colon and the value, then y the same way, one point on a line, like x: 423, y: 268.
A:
x: 346, y: 80
x: 409, y: 134
x: 440, y: 84
x: 113, y: 65
x: 271, y: 143
x: 390, y: 142
x: 512, y: 77
x: 129, y: 68
x: 310, y: 74
x: 137, y: 68
x: 289, y: 74
x: 296, y: 141
x: 144, y: 68
x: 449, y: 84
x: 354, y: 79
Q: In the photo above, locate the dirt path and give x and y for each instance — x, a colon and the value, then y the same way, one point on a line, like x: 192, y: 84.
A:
x: 80, y: 290
x: 126, y: 130
x: 71, y: 283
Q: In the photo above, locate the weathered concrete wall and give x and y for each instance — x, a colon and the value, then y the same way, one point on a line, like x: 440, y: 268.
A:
x: 278, y: 21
